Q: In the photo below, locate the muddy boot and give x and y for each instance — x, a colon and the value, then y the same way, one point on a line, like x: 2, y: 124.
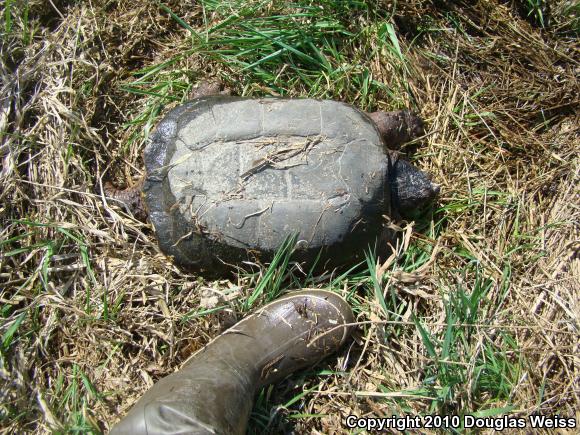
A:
x: 213, y: 393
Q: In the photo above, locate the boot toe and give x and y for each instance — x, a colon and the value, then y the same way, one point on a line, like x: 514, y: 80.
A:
x: 299, y: 330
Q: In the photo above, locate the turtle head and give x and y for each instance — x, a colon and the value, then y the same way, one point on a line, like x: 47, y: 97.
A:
x: 410, y: 187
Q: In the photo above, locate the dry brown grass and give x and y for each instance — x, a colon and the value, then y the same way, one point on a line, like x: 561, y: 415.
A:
x: 93, y: 313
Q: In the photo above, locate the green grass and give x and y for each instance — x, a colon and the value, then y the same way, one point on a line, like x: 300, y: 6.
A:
x: 465, y: 374
x: 268, y: 416
x: 76, y: 396
x: 269, y: 285
x: 74, y: 393
x: 535, y: 10
x: 306, y: 48
x: 16, y: 24
x: 64, y: 240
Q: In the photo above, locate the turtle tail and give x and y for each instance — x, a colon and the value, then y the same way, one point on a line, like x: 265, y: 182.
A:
x: 130, y: 199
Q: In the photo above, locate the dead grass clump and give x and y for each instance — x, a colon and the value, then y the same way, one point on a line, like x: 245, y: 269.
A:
x: 477, y: 311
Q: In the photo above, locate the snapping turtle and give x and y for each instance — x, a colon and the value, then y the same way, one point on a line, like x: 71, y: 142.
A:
x: 229, y: 175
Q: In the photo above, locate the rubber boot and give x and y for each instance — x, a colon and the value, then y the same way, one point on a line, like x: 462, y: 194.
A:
x: 213, y: 393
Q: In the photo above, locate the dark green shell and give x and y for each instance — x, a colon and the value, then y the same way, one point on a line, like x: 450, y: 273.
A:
x: 229, y: 175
